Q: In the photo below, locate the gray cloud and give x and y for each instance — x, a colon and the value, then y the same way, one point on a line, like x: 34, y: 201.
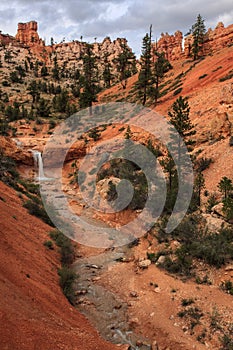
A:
x: 129, y: 18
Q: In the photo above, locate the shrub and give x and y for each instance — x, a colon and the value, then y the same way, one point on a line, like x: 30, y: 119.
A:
x: 65, y: 245
x: 94, y: 134
x: 203, y: 76
x: 186, y: 302
x: 227, y: 342
x: 203, y: 164
x: 227, y: 286
x: 67, y: 279
x: 177, y: 91
x: 226, y: 77
x: 212, y: 201
x: 215, y: 249
x: 231, y: 141
x: 37, y: 209
x: 6, y: 83
x: 49, y: 245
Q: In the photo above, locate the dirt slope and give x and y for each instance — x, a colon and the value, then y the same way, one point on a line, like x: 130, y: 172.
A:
x: 34, y: 314
x: 211, y: 106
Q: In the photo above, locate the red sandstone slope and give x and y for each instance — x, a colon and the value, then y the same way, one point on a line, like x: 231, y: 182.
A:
x: 211, y: 107
x: 34, y: 313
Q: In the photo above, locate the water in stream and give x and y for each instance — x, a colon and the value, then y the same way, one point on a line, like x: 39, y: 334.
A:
x: 106, y: 311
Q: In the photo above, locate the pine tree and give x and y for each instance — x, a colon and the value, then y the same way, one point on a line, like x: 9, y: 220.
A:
x: 125, y: 63
x: 198, y: 32
x: 55, y: 70
x: 90, y: 86
x: 145, y: 75
x: 34, y: 91
x: 161, y: 66
x: 225, y: 186
x: 43, y: 108
x: 44, y: 71
x: 179, y: 118
x: 107, y: 75
x: 199, y: 184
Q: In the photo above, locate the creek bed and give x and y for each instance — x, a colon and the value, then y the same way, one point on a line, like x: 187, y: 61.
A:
x: 105, y: 310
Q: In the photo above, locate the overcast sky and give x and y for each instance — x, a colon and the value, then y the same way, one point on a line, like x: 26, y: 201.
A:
x: 71, y: 19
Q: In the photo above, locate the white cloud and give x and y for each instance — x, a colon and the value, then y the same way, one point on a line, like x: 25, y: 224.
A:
x: 128, y: 18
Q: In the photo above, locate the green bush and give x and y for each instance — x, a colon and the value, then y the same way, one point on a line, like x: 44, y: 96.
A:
x: 49, y: 245
x: 203, y: 164
x: 67, y: 279
x: 186, y: 302
x: 227, y: 286
x: 65, y: 245
x: 227, y: 342
x: 215, y: 249
x: 37, y: 209
x: 203, y: 76
x: 177, y: 91
x: 226, y: 77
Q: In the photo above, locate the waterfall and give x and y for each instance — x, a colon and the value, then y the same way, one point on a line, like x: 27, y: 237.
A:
x: 39, y: 164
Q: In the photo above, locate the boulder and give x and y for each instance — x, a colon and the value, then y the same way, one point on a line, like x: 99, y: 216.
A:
x: 144, y: 264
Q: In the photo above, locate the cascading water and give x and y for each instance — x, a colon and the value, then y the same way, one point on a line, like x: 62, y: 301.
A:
x: 39, y: 164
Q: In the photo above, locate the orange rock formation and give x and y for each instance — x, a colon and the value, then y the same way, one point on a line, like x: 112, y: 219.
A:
x: 27, y: 34
x: 215, y: 40
x: 171, y: 45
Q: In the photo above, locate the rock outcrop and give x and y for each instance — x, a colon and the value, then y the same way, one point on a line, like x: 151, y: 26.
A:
x: 10, y: 149
x: 6, y: 39
x: 70, y: 54
x: 171, y: 45
x: 27, y: 34
x: 219, y: 38
x: 215, y: 40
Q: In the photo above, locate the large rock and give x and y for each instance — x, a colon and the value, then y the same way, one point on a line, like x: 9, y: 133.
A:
x: 53, y: 156
x: 27, y: 34
x: 10, y: 149
x: 171, y: 45
x: 214, y: 224
x: 144, y: 264
x: 218, y: 209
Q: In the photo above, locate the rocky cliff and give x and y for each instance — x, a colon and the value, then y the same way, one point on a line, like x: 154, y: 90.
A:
x: 69, y: 56
x: 171, y: 45
x: 215, y: 40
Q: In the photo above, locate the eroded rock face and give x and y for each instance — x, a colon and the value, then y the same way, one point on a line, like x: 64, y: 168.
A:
x: 53, y: 155
x: 216, y: 40
x: 220, y: 37
x: 71, y: 54
x: 6, y: 39
x: 171, y: 45
x: 10, y: 149
x: 27, y: 34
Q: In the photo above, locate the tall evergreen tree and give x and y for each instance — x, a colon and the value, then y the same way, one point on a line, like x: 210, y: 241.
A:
x: 126, y: 64
x: 90, y: 84
x: 198, y: 32
x: 225, y: 186
x: 199, y: 184
x: 107, y: 75
x: 55, y: 70
x: 179, y: 118
x: 145, y: 75
x: 161, y: 66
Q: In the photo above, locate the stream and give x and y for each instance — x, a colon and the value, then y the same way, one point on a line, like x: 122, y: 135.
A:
x: 105, y: 310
